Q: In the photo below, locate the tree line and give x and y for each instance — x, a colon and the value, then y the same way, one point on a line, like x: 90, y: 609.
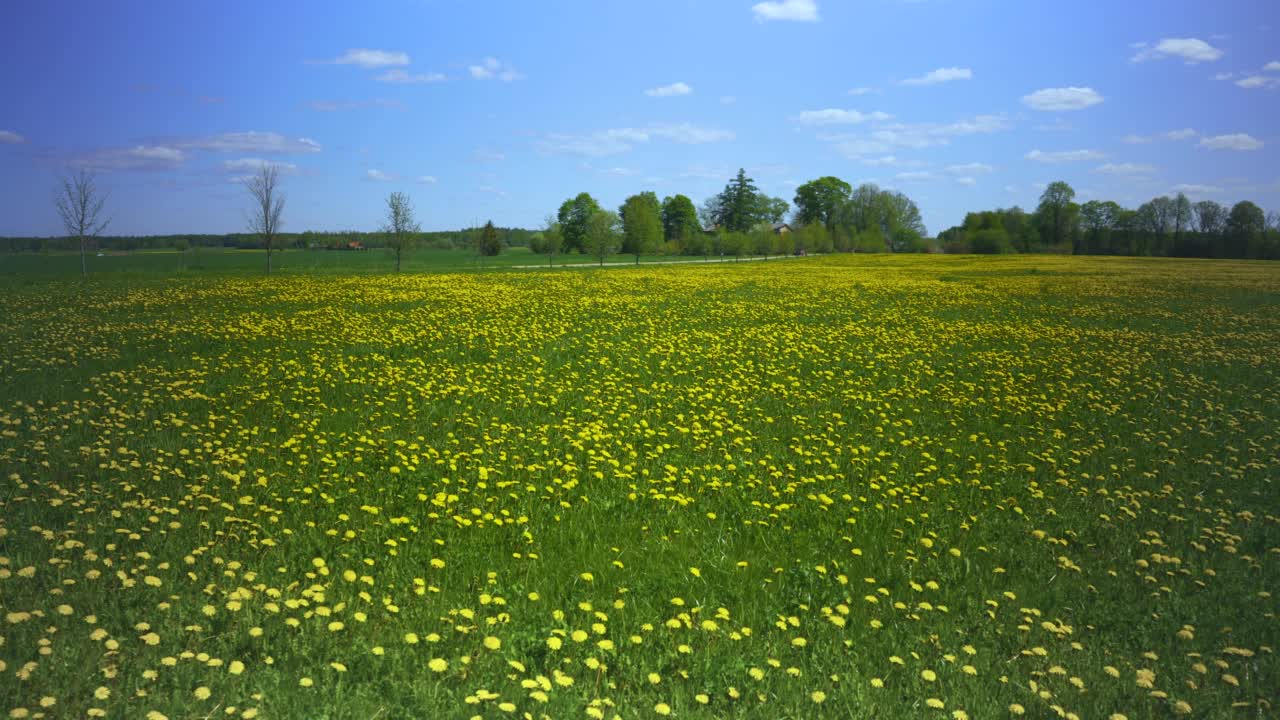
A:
x: 1164, y: 226
x: 830, y: 216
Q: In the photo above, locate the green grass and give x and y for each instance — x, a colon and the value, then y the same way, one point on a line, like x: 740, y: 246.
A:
x: 223, y: 261
x: 1026, y: 483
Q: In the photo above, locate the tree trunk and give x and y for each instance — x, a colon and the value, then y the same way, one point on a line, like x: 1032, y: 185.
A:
x: 83, y: 267
x: 268, y: 255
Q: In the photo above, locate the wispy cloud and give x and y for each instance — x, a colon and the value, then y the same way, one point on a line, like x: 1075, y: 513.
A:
x: 835, y: 116
x: 1172, y: 135
x: 492, y: 68
x: 402, y: 77
x: 1194, y: 189
x: 794, y: 10
x: 613, y: 141
x: 369, y: 59
x: 974, y: 168
x: 8, y: 137
x: 343, y: 105
x: 915, y: 176
x: 1191, y: 50
x: 1273, y: 66
x: 426, y: 180
x: 914, y: 136
x: 672, y: 90
x: 139, y: 157
x: 1064, y: 156
x: 1235, y: 141
x: 941, y: 75
x: 1253, y: 82
x: 488, y: 155
x: 247, y: 142
x: 860, y: 91
x: 380, y: 176
x: 253, y: 164
x: 1067, y: 98
x: 1125, y: 169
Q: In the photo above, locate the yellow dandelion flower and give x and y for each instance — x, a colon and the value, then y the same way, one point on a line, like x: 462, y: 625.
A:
x: 928, y: 675
x: 305, y: 682
x: 818, y: 696
x: 202, y: 693
x: 235, y: 667
x: 935, y: 703
x: 438, y: 665
x: 662, y: 708
x: 492, y: 643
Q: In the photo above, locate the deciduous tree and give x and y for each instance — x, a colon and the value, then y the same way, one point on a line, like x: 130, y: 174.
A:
x: 268, y: 205
x: 400, y: 225
x: 79, y: 204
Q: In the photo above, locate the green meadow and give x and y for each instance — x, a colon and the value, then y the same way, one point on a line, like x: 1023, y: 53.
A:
x: 849, y: 486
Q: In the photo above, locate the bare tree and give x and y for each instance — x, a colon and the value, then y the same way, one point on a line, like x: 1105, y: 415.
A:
x: 400, y: 225
x: 80, y: 206
x: 268, y: 205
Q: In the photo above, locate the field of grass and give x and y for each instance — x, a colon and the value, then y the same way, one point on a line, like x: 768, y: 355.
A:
x: 224, y: 261
x: 854, y: 487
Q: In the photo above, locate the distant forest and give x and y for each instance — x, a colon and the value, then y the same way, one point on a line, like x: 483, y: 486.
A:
x: 309, y: 240
x: 829, y: 216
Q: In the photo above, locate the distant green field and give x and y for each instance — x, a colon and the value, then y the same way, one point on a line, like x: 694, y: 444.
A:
x: 222, y: 260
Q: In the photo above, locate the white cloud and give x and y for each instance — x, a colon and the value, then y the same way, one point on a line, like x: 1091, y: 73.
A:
x: 1193, y: 189
x: 426, y: 180
x: 1064, y: 156
x: 1172, y: 135
x: 380, y: 176
x: 676, y: 88
x: 915, y: 175
x: 400, y: 77
x: 861, y: 91
x: 728, y: 99
x: 487, y: 155
x: 619, y: 140
x: 139, y: 157
x: 8, y: 137
x: 370, y: 59
x: 492, y: 68
x: 619, y: 172
x: 1125, y: 169
x: 1067, y: 98
x: 967, y: 181
x: 941, y: 75
x: 1273, y: 66
x: 890, y: 161
x: 689, y: 134
x: 1257, y: 81
x: 833, y: 116
x: 975, y: 168
x: 249, y: 142
x: 914, y: 135
x: 1224, y: 76
x: 1191, y: 50
x: 1236, y: 141
x: 797, y: 10
x: 255, y: 164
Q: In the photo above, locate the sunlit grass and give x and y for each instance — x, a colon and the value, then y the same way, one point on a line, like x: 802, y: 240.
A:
x: 846, y: 487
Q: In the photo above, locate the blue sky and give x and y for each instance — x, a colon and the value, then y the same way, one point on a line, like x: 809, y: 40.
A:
x: 501, y: 110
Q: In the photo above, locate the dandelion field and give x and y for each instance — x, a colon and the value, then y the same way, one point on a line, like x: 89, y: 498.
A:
x: 843, y: 487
